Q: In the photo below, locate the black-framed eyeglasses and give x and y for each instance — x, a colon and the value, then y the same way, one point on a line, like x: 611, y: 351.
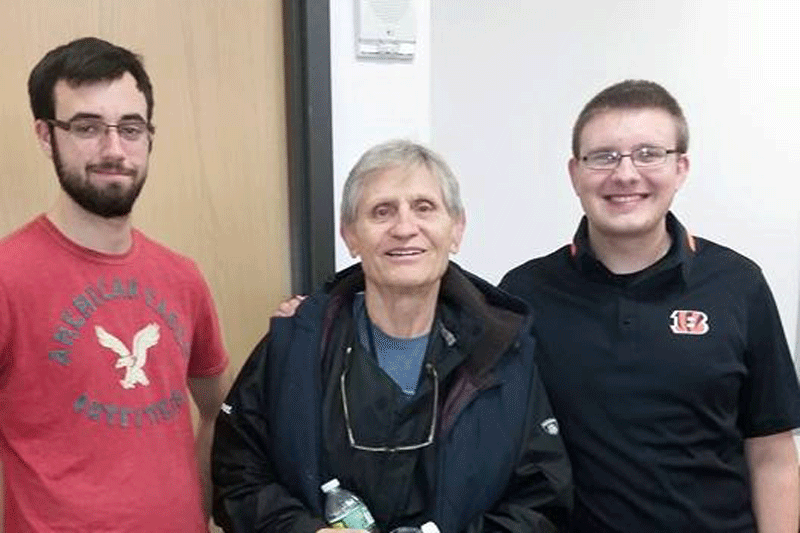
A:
x: 643, y: 157
x: 92, y: 128
x: 391, y: 449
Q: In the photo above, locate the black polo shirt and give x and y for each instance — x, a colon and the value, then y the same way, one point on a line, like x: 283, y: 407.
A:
x: 657, y: 378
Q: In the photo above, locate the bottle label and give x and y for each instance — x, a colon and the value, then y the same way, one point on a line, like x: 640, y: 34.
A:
x: 359, y: 517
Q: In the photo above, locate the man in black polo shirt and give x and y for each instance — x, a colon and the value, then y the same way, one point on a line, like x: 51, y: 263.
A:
x: 663, y: 354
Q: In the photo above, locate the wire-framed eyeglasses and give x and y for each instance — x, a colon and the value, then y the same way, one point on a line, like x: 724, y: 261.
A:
x: 91, y: 128
x: 392, y: 449
x: 642, y: 157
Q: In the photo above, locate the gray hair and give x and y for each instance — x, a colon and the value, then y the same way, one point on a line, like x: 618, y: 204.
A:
x: 403, y: 154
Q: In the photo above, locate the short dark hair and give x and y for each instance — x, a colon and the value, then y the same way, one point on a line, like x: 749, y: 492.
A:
x: 84, y: 60
x: 632, y: 94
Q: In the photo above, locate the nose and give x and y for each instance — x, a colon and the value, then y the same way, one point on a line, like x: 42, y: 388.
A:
x: 111, y: 143
x: 405, y: 225
x: 626, y: 171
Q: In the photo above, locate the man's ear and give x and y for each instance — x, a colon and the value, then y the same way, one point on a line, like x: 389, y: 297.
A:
x: 44, y: 134
x: 572, y: 168
x: 458, y: 233
x: 346, y: 231
x: 683, y: 169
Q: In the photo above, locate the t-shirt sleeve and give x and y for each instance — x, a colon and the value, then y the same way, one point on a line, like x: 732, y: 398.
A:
x: 208, y: 355
x: 770, y: 400
x: 5, y: 332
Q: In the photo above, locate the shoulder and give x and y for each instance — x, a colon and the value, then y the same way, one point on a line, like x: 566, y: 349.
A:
x: 711, y: 251
x: 289, y: 346
x: 22, y: 247
x: 494, y: 298
x: 23, y: 233
x: 29, y: 233
x: 152, y: 249
x: 715, y: 261
x: 533, y: 273
x: 174, y: 268
x: 308, y: 317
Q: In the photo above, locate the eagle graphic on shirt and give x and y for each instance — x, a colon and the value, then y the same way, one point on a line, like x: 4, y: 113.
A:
x: 131, y: 360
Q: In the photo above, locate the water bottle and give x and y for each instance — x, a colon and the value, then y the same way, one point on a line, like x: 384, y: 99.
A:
x: 343, y: 509
x: 427, y: 527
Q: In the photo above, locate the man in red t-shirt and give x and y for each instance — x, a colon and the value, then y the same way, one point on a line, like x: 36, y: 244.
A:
x: 104, y: 333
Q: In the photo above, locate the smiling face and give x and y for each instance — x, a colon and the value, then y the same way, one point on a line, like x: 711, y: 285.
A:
x: 628, y: 202
x: 403, y: 232
x: 105, y: 175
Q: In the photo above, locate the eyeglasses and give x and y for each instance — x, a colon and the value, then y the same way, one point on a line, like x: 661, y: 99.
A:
x: 92, y: 128
x: 644, y: 157
x: 391, y: 449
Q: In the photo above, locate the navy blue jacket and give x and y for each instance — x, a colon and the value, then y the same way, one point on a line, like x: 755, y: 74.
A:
x: 500, y: 465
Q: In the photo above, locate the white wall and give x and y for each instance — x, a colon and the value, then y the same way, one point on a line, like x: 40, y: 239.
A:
x: 374, y: 100
x: 509, y: 78
x: 495, y: 87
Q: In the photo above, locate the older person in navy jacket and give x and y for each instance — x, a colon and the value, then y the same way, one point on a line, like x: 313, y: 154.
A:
x: 407, y: 378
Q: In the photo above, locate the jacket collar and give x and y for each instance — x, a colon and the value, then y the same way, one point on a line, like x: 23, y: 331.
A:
x: 484, y: 321
x: 477, y: 317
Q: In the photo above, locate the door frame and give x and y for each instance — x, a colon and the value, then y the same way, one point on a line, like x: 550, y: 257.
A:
x: 309, y: 135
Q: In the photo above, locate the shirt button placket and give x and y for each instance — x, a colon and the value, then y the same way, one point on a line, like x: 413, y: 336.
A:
x: 627, y: 317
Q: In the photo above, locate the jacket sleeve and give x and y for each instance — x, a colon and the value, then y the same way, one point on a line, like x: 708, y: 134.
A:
x: 247, y: 494
x: 539, y: 496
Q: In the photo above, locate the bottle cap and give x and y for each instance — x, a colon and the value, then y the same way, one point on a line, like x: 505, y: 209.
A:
x: 330, y: 485
x: 429, y: 527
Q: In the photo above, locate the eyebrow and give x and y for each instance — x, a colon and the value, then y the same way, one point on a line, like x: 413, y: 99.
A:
x: 132, y: 116
x: 424, y: 198
x: 632, y: 148
x: 393, y: 200
x: 383, y: 201
x: 603, y: 149
x: 129, y: 116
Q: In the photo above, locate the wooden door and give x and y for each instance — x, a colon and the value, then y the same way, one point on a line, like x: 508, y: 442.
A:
x: 217, y: 187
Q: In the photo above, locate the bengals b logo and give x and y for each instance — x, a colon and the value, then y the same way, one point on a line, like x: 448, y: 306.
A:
x: 689, y: 322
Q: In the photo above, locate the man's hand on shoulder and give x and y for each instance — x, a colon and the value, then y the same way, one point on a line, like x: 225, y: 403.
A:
x: 289, y: 307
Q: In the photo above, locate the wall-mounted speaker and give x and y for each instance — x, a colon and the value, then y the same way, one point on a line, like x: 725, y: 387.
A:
x: 385, y: 29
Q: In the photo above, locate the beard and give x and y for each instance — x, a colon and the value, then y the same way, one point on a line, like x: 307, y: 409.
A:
x: 109, y: 201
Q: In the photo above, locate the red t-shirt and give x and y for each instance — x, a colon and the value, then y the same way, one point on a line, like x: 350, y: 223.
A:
x: 95, y: 351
